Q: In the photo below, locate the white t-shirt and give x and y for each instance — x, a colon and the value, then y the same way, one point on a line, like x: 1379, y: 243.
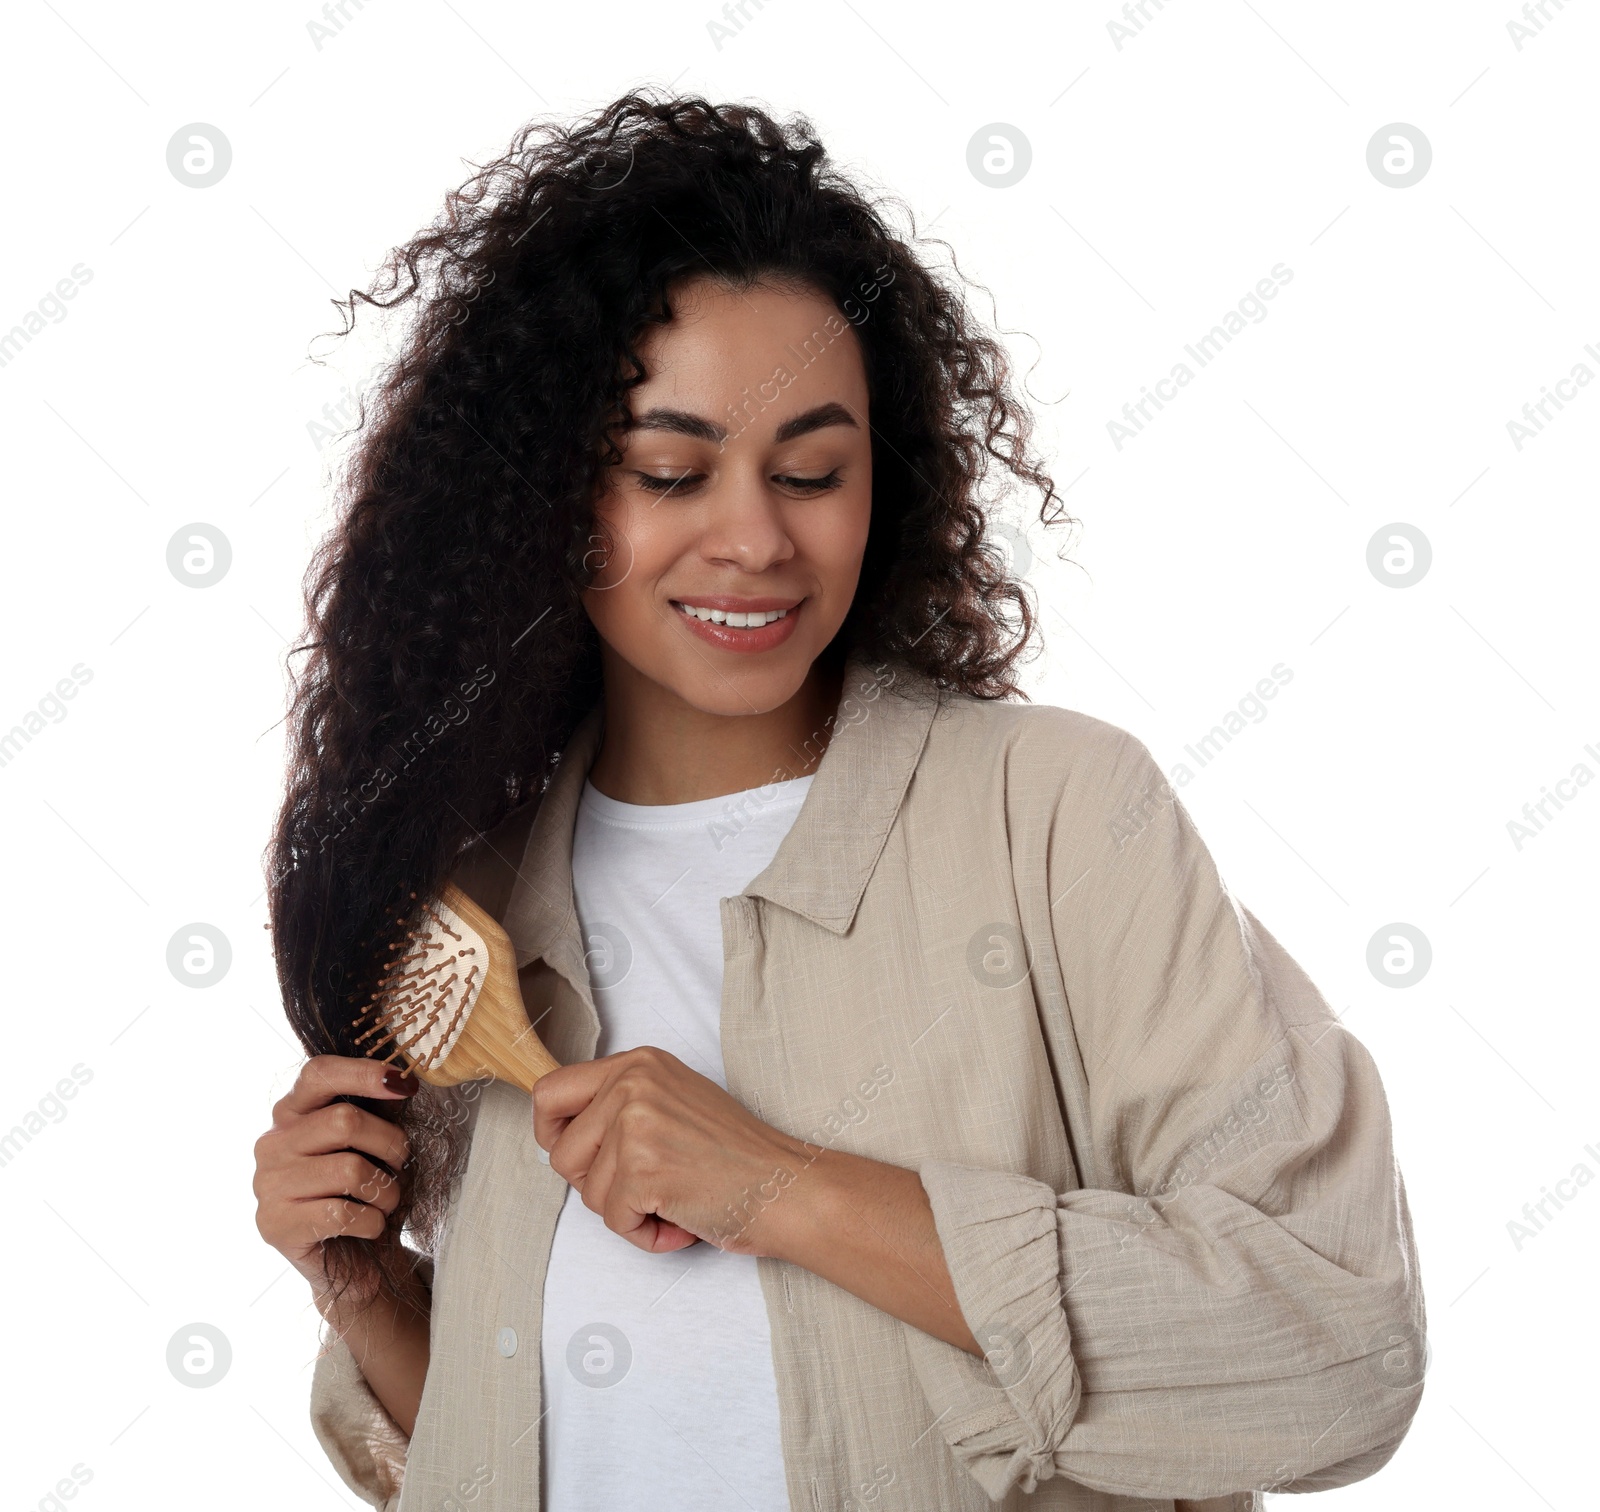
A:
x: 659, y: 1388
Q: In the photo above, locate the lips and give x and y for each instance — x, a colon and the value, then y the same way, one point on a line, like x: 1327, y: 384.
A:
x: 732, y: 604
x: 776, y: 620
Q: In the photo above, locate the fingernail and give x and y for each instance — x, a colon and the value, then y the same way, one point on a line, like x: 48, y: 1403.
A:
x: 402, y: 1082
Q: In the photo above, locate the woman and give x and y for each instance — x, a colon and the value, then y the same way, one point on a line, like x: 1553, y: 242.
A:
x: 933, y: 1128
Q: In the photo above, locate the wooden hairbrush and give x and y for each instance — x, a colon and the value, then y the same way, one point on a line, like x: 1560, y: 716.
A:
x: 448, y: 1007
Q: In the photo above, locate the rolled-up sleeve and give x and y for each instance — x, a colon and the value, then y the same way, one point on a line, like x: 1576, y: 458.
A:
x: 1231, y: 1301
x: 362, y: 1441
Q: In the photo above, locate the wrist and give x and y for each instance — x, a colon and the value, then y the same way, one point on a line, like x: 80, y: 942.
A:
x: 341, y: 1306
x: 770, y: 1216
x: 796, y: 1225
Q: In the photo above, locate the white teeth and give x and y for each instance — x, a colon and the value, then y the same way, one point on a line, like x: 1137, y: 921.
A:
x: 749, y: 621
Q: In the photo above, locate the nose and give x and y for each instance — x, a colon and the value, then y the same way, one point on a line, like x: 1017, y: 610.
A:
x: 745, y: 529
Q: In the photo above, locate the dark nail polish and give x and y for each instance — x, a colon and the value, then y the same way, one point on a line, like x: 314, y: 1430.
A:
x: 400, y: 1081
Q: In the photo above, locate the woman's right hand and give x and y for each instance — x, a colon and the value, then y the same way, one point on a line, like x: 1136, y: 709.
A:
x: 320, y: 1167
x: 320, y: 1173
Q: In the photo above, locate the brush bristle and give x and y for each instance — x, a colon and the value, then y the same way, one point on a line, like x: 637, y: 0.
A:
x: 422, y: 1001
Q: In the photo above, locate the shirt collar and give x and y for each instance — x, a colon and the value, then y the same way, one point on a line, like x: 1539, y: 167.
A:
x: 825, y: 861
x: 822, y: 867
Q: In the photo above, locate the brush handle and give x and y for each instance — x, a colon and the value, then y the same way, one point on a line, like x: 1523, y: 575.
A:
x: 494, y: 1045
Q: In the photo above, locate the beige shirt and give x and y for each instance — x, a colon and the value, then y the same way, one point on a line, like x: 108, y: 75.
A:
x: 992, y: 949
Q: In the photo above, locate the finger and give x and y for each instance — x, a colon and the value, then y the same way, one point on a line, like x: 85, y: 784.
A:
x: 594, y: 1183
x: 605, y: 1194
x: 646, y: 1231
x: 669, y: 1236
x: 338, y: 1217
x: 325, y: 1077
x: 343, y: 1175
x: 577, y: 1145
x: 560, y: 1095
x: 343, y: 1126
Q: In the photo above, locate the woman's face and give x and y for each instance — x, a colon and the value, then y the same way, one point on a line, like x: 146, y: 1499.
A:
x: 744, y: 495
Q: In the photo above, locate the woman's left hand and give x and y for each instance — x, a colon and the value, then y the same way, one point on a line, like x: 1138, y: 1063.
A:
x: 666, y: 1157
x: 663, y: 1154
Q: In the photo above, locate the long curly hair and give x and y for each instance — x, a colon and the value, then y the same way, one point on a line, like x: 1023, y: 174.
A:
x: 448, y: 655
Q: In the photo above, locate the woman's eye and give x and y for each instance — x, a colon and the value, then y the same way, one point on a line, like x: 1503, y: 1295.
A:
x: 812, y: 485
x: 653, y: 484
x: 682, y: 482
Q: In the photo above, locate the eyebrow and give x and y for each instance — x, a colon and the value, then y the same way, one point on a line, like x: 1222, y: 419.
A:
x: 685, y: 424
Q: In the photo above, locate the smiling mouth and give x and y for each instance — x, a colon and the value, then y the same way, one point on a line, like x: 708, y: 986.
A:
x: 751, y: 619
x: 750, y: 627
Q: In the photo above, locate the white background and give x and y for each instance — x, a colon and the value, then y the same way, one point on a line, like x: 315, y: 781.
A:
x: 1232, y: 534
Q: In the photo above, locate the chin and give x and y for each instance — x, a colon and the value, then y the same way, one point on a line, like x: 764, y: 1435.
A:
x: 737, y: 690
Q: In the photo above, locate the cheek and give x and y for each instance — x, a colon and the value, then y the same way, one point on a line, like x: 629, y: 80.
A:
x: 613, y: 560
x: 631, y: 546
x: 834, y: 542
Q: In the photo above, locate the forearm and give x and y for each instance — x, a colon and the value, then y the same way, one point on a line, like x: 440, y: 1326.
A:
x: 868, y: 1227
x: 388, y: 1340
x: 658, y: 1148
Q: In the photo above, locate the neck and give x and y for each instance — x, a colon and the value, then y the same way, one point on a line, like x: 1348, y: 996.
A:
x: 656, y: 748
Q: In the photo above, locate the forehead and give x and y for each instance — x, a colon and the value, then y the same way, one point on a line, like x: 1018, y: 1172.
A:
x: 788, y: 346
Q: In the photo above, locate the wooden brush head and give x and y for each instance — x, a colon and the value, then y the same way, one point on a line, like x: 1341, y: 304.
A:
x: 448, y: 1007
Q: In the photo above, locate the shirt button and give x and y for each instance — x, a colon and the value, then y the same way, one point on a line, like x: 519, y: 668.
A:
x: 506, y: 1342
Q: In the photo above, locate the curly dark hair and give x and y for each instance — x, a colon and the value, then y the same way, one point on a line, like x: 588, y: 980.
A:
x: 450, y: 657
